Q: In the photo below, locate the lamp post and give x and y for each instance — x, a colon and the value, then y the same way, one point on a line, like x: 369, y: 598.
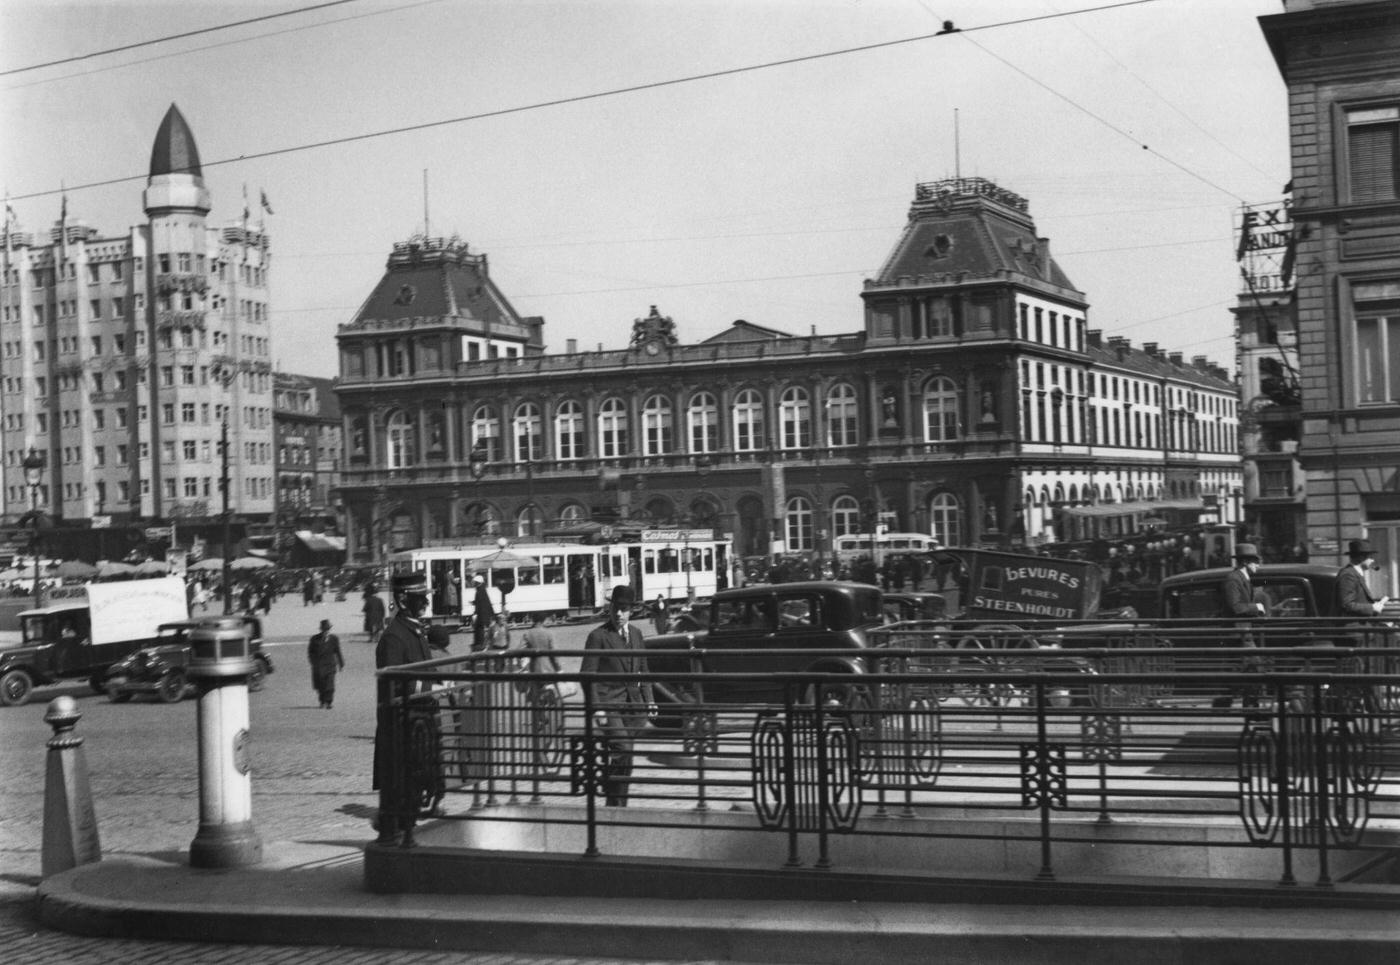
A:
x: 33, y: 475
x: 476, y: 464
x: 223, y: 492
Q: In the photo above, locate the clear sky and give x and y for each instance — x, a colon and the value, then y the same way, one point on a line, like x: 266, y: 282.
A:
x: 1135, y: 133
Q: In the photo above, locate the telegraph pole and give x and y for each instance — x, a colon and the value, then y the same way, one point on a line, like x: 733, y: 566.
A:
x: 223, y: 490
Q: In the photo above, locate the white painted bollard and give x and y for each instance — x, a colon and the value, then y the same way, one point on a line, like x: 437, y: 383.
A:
x: 220, y: 664
x: 70, y: 824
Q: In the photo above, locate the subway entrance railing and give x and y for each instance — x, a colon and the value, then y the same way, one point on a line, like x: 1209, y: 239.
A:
x: 1283, y: 762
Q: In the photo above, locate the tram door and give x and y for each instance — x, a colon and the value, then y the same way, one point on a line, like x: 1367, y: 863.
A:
x: 583, y: 582
x: 634, y: 571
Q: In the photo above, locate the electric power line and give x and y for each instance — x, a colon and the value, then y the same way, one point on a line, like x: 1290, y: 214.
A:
x: 596, y: 95
x: 167, y: 39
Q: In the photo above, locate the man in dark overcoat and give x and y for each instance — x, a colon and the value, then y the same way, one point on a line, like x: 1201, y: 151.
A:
x: 323, y: 653
x: 373, y: 610
x: 1354, y: 597
x: 1237, y: 596
x: 483, y: 613
x: 404, y: 641
x: 621, y: 706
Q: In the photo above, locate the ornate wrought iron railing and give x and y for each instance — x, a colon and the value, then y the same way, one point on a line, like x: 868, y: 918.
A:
x: 1294, y: 752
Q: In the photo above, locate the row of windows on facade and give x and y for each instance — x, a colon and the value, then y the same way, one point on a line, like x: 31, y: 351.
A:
x: 191, y: 450
x: 183, y: 262
x: 302, y: 456
x: 253, y: 382
x: 941, y: 421
x: 166, y: 338
x: 1060, y: 420
x: 254, y: 417
x: 190, y: 487
x: 404, y: 357
x: 1137, y: 391
x: 247, y: 310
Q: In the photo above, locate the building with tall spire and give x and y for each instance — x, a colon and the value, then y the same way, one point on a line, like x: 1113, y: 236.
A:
x: 975, y: 404
x: 127, y: 356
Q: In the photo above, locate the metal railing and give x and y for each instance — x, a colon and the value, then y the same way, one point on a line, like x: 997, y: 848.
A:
x: 1024, y: 736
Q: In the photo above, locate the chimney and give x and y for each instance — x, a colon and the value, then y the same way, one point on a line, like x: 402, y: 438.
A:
x: 1095, y: 337
x: 1200, y: 362
x: 570, y: 346
x: 1176, y: 359
x: 1151, y: 349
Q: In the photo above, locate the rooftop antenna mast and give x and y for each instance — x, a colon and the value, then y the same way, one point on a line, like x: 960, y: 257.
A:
x: 957, y: 147
x: 427, y: 224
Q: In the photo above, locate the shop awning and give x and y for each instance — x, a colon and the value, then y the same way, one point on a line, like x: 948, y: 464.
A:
x: 1131, y: 509
x: 320, y: 543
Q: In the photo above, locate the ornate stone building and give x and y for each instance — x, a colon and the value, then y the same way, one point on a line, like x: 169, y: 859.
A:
x: 123, y: 355
x: 306, y: 422
x: 1339, y: 61
x: 974, y: 404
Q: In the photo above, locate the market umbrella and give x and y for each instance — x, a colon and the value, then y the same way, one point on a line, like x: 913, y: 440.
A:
x: 8, y: 576
x: 110, y: 568
x: 502, y: 559
x: 73, y: 570
x: 210, y: 564
x: 251, y: 563
x: 151, y: 568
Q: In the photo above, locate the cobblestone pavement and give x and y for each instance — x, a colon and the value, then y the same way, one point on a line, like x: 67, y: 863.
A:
x: 311, y: 777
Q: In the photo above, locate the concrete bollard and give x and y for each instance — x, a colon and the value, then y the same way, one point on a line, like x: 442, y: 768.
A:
x: 220, y: 664
x: 70, y: 824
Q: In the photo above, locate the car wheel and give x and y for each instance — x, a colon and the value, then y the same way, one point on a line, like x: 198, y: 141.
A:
x: 14, y: 688
x: 117, y: 692
x: 171, y: 688
x: 258, y: 678
x: 98, y: 683
x: 672, y: 697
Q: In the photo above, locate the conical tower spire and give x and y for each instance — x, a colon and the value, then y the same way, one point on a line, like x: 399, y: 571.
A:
x: 176, y: 182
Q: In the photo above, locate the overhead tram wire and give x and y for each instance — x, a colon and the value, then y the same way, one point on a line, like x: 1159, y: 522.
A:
x: 223, y: 43
x: 596, y: 95
x: 180, y: 36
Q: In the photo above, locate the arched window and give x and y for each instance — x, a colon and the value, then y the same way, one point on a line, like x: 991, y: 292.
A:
x: 656, y: 426
x: 845, y: 516
x: 798, y: 524
x: 486, y: 433
x: 945, y: 519
x: 479, y: 519
x: 568, y: 431
x: 702, y: 423
x: 612, y: 429
x: 571, y: 514
x: 748, y: 421
x: 399, y: 438
x: 529, y: 523
x: 526, y: 428
x: 841, y: 415
x: 941, y: 417
x: 1073, y: 493
x: 1059, y: 496
x: 795, y: 418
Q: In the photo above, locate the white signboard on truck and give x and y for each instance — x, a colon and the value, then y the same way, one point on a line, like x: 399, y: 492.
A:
x: 133, y: 609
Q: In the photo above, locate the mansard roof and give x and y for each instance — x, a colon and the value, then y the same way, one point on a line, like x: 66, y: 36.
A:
x: 174, y: 151
x: 966, y: 229
x: 436, y: 278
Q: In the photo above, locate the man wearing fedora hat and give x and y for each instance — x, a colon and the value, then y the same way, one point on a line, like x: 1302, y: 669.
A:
x: 622, y: 703
x: 1237, y: 593
x: 1354, y: 597
x: 1238, y: 588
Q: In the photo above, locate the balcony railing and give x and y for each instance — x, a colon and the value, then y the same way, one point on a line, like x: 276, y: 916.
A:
x: 984, y: 752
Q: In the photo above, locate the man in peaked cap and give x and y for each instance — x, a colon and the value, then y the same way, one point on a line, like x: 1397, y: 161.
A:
x: 1353, y: 596
x: 404, y: 641
x: 623, y: 703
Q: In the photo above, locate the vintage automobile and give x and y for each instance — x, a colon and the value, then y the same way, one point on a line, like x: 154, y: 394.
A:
x: 767, y: 628
x: 162, y: 669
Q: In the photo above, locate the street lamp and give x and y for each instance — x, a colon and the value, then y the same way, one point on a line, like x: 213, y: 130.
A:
x: 33, y: 475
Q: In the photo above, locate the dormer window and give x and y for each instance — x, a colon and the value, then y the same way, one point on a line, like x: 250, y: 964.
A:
x: 942, y: 245
x: 406, y: 295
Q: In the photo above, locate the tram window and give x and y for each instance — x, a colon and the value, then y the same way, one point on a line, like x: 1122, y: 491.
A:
x: 649, y: 561
x: 527, y: 576
x: 553, y: 569
x: 669, y: 561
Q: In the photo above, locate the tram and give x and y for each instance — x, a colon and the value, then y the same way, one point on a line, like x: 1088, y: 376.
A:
x: 576, y: 578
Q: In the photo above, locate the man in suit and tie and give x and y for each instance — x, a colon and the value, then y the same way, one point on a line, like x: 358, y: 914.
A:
x: 621, y: 706
x: 1353, y: 595
x: 1237, y: 593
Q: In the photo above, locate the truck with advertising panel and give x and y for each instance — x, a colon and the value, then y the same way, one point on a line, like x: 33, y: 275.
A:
x: 80, y: 636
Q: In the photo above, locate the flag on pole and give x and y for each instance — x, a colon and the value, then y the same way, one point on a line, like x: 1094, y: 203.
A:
x: 265, y: 205
x: 245, y: 206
